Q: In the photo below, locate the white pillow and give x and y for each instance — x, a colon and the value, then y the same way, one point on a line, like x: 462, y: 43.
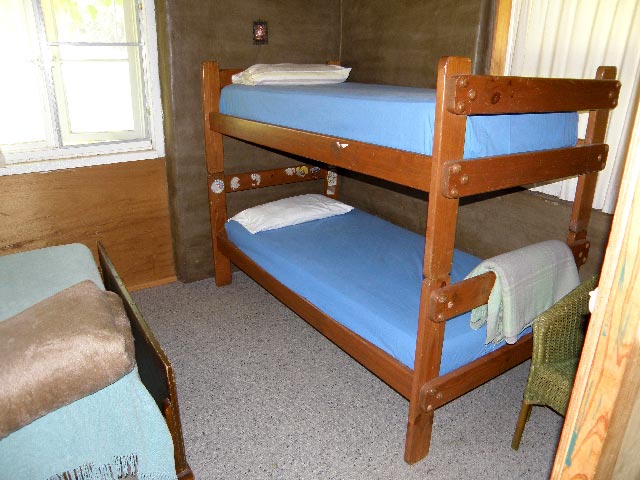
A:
x: 291, y: 74
x: 290, y: 211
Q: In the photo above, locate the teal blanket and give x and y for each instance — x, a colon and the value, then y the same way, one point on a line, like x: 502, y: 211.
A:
x: 29, y: 277
x: 114, y: 431
x: 528, y: 281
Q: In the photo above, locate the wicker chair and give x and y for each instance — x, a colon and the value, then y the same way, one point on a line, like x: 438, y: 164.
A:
x: 558, y: 335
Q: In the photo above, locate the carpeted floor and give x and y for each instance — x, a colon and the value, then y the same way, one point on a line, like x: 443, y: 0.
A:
x: 264, y: 396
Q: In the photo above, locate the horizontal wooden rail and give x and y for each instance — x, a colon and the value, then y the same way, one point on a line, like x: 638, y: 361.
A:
x: 226, y: 74
x: 470, y: 177
x: 443, y: 389
x: 480, y: 94
x: 268, y: 178
x: 385, y: 163
x: 460, y: 297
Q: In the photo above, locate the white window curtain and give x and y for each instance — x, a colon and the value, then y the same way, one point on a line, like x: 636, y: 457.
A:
x: 571, y: 38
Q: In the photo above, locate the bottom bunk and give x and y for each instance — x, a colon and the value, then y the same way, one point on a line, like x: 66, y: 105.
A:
x: 358, y: 279
x: 366, y: 274
x: 131, y: 427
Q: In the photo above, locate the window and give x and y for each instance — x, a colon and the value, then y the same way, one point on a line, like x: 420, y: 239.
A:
x: 78, y: 83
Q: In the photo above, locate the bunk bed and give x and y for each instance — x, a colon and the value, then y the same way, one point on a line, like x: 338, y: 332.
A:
x: 130, y: 428
x: 444, y: 170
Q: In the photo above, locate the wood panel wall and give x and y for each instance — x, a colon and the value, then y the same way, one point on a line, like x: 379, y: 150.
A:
x: 124, y: 205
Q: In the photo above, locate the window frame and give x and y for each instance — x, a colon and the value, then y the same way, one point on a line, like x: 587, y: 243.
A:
x: 58, y: 158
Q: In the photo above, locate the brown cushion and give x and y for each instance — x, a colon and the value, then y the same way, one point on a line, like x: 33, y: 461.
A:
x: 60, y: 350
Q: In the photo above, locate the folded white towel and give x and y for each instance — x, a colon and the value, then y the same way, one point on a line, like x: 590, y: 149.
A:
x: 528, y: 281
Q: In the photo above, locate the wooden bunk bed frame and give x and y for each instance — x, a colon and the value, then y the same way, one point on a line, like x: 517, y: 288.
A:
x: 156, y: 372
x: 447, y: 178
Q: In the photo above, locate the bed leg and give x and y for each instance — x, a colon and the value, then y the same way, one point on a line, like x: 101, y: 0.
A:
x: 418, y: 438
x: 222, y: 271
x: 221, y: 264
x: 585, y: 190
x: 214, y: 155
x: 218, y: 214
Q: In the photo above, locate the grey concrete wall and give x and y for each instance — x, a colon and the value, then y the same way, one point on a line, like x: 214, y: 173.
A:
x: 190, y: 32
x: 400, y: 42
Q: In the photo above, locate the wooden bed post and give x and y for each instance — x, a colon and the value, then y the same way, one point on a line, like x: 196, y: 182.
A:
x: 214, y: 155
x: 448, y: 144
x: 585, y: 190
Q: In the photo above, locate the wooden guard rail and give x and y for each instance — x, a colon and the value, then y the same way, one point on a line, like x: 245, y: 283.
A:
x: 238, y: 182
x: 471, y: 177
x: 386, y: 163
x: 456, y: 298
x: 480, y: 94
x: 226, y: 74
x: 441, y: 390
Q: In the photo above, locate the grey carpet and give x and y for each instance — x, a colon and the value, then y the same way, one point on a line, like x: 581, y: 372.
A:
x: 265, y: 396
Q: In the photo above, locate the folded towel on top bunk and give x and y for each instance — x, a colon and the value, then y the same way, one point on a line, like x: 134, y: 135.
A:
x: 61, y: 349
x: 528, y: 281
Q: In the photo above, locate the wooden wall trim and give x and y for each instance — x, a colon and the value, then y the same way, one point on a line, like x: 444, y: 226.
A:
x: 124, y: 205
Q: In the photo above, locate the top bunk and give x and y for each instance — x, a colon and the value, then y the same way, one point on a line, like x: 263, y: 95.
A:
x: 395, y: 133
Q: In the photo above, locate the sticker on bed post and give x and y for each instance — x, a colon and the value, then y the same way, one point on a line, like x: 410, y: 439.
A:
x: 235, y: 183
x: 290, y: 171
x: 256, y: 179
x: 332, y: 182
x: 302, y: 171
x: 217, y: 186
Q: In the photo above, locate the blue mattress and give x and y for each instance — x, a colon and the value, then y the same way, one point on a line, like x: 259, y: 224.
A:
x: 396, y: 117
x: 366, y: 274
x: 116, y: 422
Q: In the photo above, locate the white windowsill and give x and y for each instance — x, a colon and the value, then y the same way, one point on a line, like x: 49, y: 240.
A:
x: 40, y: 166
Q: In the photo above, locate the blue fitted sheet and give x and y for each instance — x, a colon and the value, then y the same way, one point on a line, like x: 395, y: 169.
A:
x: 119, y: 420
x: 366, y: 274
x: 391, y: 116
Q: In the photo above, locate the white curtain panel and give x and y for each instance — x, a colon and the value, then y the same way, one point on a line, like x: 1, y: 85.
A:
x: 571, y: 38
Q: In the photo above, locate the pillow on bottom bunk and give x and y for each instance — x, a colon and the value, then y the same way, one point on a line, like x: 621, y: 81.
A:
x: 290, y: 211
x: 60, y: 350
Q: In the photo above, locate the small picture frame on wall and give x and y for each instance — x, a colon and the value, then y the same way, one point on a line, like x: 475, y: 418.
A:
x: 260, y: 32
